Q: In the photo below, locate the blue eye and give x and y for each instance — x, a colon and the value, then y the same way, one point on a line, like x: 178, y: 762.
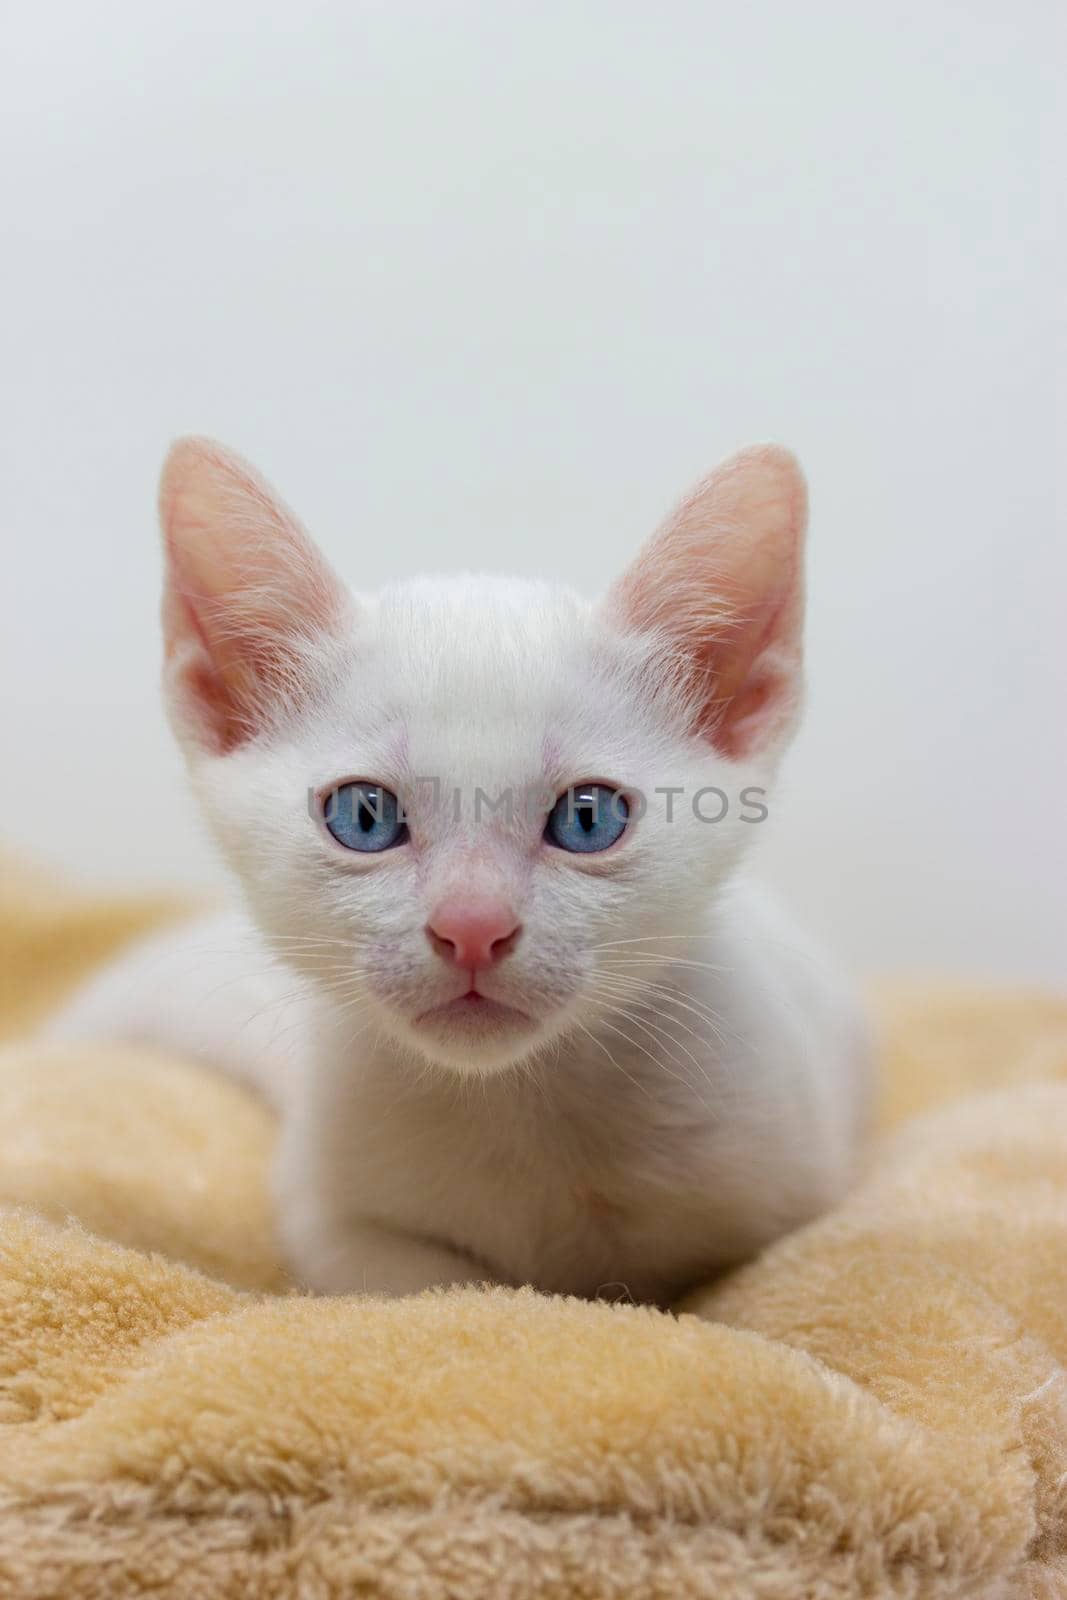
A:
x: 364, y: 816
x: 589, y: 817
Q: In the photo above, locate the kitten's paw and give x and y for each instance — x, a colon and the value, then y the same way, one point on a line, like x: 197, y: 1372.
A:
x: 361, y: 1257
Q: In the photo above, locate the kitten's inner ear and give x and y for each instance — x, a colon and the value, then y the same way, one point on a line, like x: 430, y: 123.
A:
x: 247, y: 598
x: 721, y: 584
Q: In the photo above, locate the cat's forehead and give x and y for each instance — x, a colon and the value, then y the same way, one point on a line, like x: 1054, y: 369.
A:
x: 478, y: 636
x: 475, y: 617
x: 495, y: 676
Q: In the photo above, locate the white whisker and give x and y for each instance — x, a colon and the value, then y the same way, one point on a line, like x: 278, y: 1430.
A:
x: 602, y: 1046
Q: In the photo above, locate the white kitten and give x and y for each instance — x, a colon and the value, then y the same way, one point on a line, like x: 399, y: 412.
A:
x: 534, y: 1029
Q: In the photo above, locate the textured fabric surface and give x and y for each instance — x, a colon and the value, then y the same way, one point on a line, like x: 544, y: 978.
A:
x: 876, y: 1407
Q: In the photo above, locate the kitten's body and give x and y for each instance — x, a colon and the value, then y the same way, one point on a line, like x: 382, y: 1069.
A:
x: 635, y: 1161
x: 658, y: 1075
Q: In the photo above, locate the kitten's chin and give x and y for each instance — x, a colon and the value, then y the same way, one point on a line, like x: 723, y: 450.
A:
x: 475, y: 1035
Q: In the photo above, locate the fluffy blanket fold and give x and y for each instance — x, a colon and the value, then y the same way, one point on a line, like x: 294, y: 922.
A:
x: 877, y: 1407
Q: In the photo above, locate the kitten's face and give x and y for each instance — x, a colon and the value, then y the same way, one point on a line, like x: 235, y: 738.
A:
x: 484, y: 925
x: 482, y: 690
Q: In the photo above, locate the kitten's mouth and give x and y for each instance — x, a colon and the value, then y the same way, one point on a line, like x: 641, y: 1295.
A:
x: 473, y: 1010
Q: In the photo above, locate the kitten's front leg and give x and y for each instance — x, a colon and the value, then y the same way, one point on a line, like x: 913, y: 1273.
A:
x: 341, y: 1184
x: 362, y: 1257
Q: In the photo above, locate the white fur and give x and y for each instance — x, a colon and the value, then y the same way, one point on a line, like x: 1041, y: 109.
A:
x: 694, y: 1079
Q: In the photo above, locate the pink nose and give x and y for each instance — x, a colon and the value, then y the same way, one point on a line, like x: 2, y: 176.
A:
x: 473, y: 933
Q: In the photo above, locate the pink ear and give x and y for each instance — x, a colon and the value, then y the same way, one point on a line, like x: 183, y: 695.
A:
x: 722, y: 585
x: 247, y: 597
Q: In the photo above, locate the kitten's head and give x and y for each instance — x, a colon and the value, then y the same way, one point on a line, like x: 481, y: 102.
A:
x: 441, y: 800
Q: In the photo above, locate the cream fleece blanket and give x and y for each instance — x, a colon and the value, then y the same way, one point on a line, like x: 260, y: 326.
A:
x: 878, y: 1407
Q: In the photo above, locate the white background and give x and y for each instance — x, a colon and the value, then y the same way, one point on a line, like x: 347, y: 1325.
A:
x: 486, y: 285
